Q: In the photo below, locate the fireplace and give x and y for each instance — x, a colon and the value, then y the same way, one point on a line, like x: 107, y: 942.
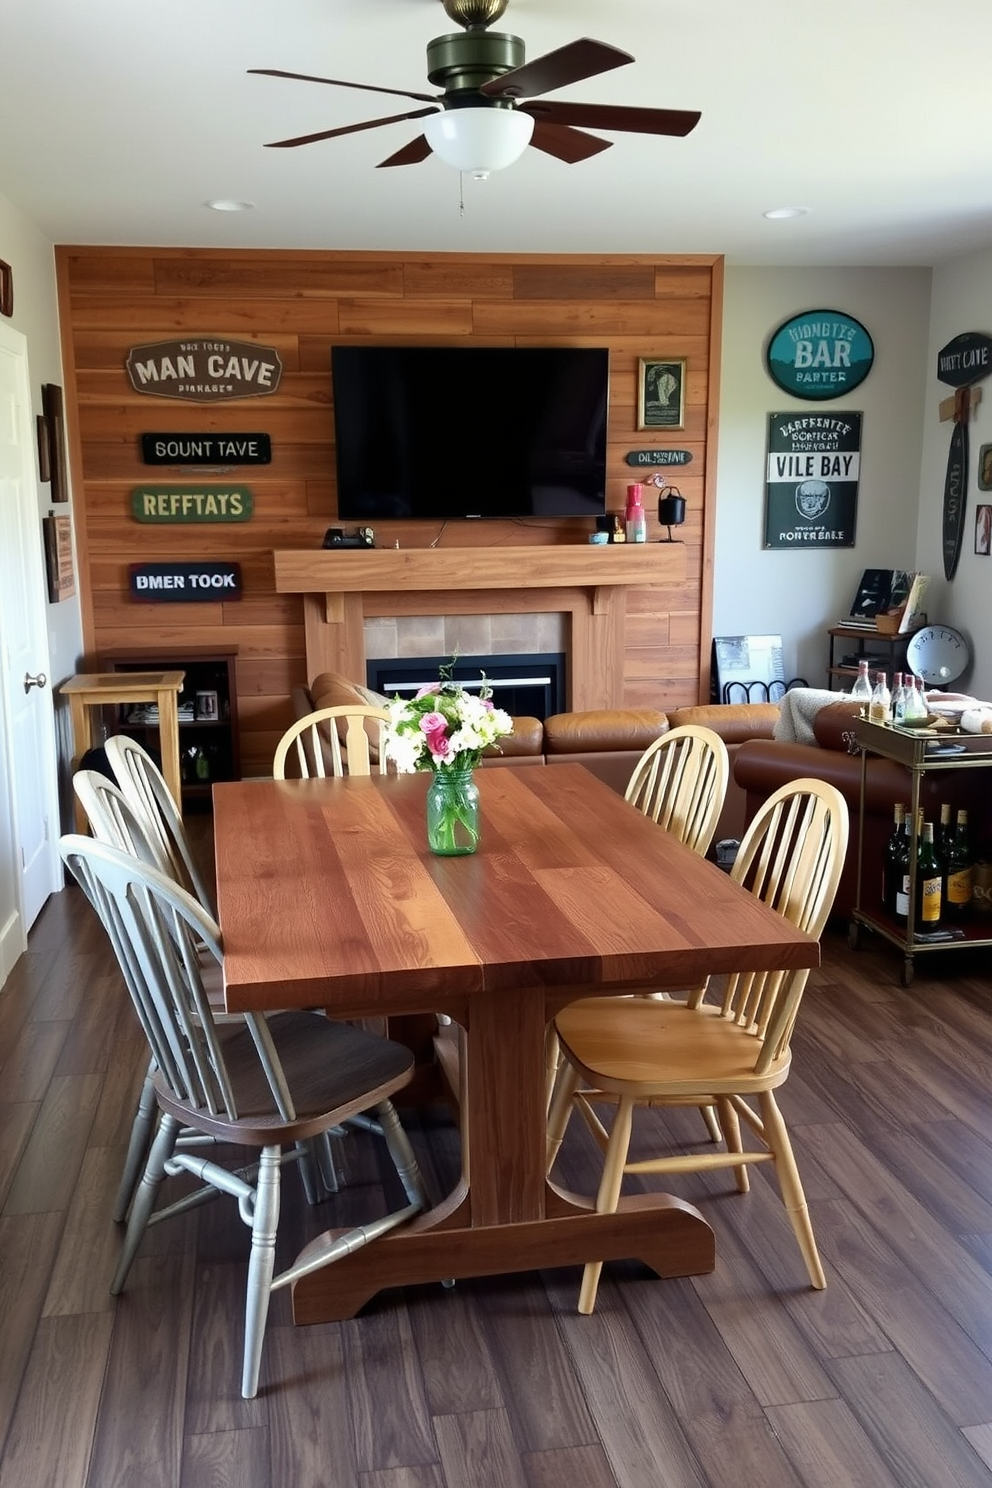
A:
x: 531, y: 685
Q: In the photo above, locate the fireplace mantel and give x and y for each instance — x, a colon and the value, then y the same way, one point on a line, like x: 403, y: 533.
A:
x: 588, y: 582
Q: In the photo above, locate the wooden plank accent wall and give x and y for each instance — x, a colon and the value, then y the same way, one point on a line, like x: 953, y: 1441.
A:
x: 301, y: 302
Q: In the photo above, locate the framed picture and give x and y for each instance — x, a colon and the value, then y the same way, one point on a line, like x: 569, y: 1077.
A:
x: 983, y: 530
x: 985, y: 468
x: 660, y: 394
x: 58, y: 558
x: 51, y: 402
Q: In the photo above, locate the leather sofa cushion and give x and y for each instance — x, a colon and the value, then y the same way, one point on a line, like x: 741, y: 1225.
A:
x: 594, y: 730
x: 331, y: 690
x: 734, y: 722
x: 527, y: 739
x: 833, y: 724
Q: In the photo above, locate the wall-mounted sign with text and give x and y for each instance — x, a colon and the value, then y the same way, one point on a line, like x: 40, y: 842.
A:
x: 205, y: 371
x: 184, y: 583
x: 198, y: 504
x: 206, y: 449
x: 820, y: 354
x: 814, y: 464
x: 658, y: 457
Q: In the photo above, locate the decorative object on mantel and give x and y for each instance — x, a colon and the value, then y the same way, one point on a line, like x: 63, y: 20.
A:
x: 444, y: 728
x: 51, y: 402
x: 671, y: 512
x: 965, y: 360
x: 659, y: 457
x: 814, y: 464
x: 6, y: 288
x: 819, y: 354
x: 211, y: 370
x: 660, y: 393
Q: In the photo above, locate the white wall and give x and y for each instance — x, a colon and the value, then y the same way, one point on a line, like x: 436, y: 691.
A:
x: 799, y: 594
x: 962, y: 292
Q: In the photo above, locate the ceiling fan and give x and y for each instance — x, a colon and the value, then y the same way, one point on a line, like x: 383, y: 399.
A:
x: 479, y: 122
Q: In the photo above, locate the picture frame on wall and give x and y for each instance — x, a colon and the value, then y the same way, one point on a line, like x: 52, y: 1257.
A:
x: 985, y: 468
x: 58, y: 558
x: 54, y: 416
x: 660, y: 393
x: 983, y: 530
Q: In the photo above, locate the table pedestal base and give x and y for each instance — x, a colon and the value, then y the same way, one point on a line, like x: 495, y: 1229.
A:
x: 668, y: 1235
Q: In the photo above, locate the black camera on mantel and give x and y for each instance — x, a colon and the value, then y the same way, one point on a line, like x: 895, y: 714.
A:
x: 336, y: 537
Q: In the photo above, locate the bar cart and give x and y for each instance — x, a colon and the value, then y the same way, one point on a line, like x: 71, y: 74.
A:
x: 921, y: 750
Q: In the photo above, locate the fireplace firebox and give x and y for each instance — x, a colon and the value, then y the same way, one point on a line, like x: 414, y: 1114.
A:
x: 531, y: 685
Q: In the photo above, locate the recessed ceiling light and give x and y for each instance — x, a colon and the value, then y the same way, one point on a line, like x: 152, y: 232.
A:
x: 226, y: 204
x: 781, y: 214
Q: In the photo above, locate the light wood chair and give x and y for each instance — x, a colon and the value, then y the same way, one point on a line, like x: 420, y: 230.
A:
x: 680, y: 781
x: 146, y: 789
x: 731, y: 1055
x: 349, y: 738
x: 267, y: 1081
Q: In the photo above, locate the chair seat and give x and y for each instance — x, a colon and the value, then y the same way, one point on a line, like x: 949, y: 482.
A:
x: 663, y: 1048
x: 329, y: 1067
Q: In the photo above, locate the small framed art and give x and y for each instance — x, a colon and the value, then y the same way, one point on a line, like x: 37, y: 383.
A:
x: 58, y: 558
x: 983, y: 530
x: 985, y: 468
x: 660, y: 394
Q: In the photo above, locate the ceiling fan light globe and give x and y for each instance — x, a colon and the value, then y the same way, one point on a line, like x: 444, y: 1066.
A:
x: 479, y: 140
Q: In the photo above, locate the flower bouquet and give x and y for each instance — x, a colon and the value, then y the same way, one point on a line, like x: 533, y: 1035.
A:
x: 445, y: 728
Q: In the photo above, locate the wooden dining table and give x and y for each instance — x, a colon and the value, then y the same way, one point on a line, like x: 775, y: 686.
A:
x: 328, y: 897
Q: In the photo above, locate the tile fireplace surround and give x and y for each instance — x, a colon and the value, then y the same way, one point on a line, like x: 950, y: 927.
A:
x: 584, y: 585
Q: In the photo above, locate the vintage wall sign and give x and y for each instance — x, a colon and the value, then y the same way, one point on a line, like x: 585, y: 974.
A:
x: 208, y: 371
x: 965, y: 360
x: 814, y: 464
x: 206, y: 449
x: 196, y: 504
x: 185, y: 583
x: 659, y: 457
x: 820, y: 354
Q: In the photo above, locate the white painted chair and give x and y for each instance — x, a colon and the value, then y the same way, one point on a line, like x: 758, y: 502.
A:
x: 345, y: 740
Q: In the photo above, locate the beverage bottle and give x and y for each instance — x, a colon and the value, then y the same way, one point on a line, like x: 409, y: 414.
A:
x: 861, y: 691
x: 901, y: 869
x: 881, y: 700
x: 916, y: 704
x: 636, y: 524
x: 943, y: 832
x: 958, y: 871
x: 929, y: 883
x: 892, y: 861
x: 899, y: 695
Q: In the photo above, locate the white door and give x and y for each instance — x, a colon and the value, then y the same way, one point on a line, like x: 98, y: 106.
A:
x: 28, y: 775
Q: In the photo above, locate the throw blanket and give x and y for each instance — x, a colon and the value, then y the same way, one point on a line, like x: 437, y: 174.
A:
x: 797, y: 710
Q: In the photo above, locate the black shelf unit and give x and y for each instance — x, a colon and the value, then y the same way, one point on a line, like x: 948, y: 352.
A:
x: 218, y: 740
x: 884, y: 653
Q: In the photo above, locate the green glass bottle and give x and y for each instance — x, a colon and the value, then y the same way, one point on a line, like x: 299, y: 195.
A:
x: 929, y: 883
x: 892, y: 862
x: 959, y: 872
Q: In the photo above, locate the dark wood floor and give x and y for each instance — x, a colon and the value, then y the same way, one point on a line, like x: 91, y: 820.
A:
x: 737, y: 1379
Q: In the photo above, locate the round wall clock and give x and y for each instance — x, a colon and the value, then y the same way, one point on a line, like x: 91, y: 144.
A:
x: 938, y: 654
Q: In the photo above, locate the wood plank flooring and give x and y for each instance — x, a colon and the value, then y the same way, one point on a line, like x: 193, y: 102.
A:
x: 744, y: 1377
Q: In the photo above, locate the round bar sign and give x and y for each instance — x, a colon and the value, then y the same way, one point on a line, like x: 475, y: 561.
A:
x: 820, y: 354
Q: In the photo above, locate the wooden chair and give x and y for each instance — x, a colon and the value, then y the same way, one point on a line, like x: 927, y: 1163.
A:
x: 319, y: 737
x: 680, y: 781
x: 265, y: 1082
x: 731, y: 1055
x: 144, y: 785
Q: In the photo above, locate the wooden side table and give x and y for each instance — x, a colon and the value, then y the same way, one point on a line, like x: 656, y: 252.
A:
x: 90, y: 690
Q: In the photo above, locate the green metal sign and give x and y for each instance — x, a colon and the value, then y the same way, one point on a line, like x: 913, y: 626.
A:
x: 820, y: 354
x: 169, y: 505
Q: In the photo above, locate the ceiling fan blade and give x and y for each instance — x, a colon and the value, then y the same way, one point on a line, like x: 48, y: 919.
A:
x: 309, y: 139
x: 306, y: 77
x: 610, y: 116
x: 570, y: 145
x: 581, y: 59
x: 412, y: 154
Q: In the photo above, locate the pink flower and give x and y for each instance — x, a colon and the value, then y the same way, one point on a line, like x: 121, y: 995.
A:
x: 440, y: 748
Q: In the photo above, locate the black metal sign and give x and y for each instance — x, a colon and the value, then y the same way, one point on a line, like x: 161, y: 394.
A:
x: 206, y: 449
x: 659, y: 457
x: 814, y: 464
x: 965, y: 359
x: 185, y: 583
x: 211, y: 371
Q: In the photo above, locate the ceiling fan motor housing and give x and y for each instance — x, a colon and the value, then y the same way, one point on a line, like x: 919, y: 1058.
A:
x: 470, y: 13
x: 462, y: 62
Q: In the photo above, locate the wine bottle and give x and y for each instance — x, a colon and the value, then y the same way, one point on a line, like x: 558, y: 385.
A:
x: 901, y: 910
x: 861, y: 691
x: 892, y: 861
x: 943, y: 832
x: 929, y: 883
x: 959, y: 871
x: 881, y: 700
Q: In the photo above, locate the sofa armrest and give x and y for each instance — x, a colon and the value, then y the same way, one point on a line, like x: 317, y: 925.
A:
x: 600, y: 730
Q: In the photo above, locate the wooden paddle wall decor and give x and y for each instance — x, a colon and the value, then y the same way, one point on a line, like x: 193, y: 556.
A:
x: 963, y: 362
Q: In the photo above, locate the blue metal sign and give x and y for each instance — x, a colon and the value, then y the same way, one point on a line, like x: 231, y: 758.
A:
x: 820, y: 354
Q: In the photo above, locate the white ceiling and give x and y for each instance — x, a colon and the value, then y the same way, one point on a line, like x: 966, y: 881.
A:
x: 120, y: 119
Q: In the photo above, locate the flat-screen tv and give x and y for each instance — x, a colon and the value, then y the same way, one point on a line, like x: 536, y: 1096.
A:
x: 442, y: 432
